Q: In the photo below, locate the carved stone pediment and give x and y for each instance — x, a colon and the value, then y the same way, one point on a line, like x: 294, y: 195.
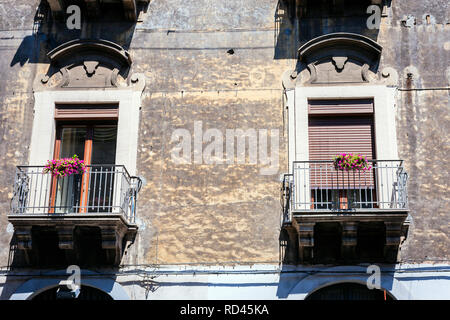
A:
x: 338, y: 70
x: 86, y: 64
x: 338, y: 58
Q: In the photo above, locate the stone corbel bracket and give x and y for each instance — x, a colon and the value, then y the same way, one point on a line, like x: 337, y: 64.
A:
x: 116, y: 233
x: 306, y: 242
x: 396, y: 230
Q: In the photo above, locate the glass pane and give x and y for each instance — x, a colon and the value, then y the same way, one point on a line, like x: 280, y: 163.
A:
x: 72, y: 142
x: 104, y: 145
x: 68, y: 189
x: 102, y: 175
x: 68, y: 192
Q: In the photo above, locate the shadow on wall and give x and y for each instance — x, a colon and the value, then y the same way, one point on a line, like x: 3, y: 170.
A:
x: 28, y: 51
x: 49, y: 32
x: 296, y: 24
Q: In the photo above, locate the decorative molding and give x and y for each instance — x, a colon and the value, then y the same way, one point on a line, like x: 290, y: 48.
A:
x: 396, y: 232
x: 136, y: 82
x: 114, y: 229
x: 90, y: 67
x: 81, y: 46
x: 365, y: 72
x: 288, y: 79
x: 88, y: 64
x: 339, y: 63
x: 339, y: 58
x: 389, y: 76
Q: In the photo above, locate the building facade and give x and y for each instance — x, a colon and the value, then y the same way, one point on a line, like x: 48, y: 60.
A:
x: 208, y: 131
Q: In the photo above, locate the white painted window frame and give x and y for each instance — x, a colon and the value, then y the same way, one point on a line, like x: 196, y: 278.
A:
x: 44, y: 124
x: 384, y: 121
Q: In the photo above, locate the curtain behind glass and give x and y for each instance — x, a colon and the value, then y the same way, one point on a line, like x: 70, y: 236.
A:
x: 102, y: 173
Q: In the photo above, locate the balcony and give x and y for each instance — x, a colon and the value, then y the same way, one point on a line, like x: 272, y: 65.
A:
x: 99, y: 205
x: 349, y: 205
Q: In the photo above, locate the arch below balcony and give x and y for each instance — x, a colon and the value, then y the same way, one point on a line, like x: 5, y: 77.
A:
x: 35, y: 286
x: 347, y: 274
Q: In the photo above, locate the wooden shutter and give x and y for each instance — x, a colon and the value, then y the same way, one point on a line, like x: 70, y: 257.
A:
x: 330, y: 135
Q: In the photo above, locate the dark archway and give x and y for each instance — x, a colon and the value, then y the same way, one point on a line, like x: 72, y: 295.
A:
x: 86, y: 293
x: 349, y: 291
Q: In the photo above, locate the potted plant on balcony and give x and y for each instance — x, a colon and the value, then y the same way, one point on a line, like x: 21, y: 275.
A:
x: 349, y: 161
x: 65, y: 167
x: 346, y: 197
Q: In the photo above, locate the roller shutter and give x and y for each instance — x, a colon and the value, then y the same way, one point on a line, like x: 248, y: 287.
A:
x: 336, y: 131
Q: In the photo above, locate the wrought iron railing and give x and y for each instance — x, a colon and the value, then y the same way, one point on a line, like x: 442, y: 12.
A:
x: 101, y: 189
x: 317, y: 186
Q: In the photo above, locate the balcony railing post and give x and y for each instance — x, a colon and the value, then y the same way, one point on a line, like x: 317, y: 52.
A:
x: 287, y: 197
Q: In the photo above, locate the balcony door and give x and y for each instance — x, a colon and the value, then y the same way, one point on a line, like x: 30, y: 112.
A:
x: 93, y: 190
x: 340, y: 127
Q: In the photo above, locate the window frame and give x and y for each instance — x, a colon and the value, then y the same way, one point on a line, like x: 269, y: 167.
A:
x: 384, y: 116
x: 128, y: 101
x: 298, y: 116
x: 88, y: 150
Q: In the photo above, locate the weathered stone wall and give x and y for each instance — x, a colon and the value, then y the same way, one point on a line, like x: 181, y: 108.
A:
x: 18, y: 62
x: 208, y: 213
x: 422, y: 50
x: 230, y: 212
